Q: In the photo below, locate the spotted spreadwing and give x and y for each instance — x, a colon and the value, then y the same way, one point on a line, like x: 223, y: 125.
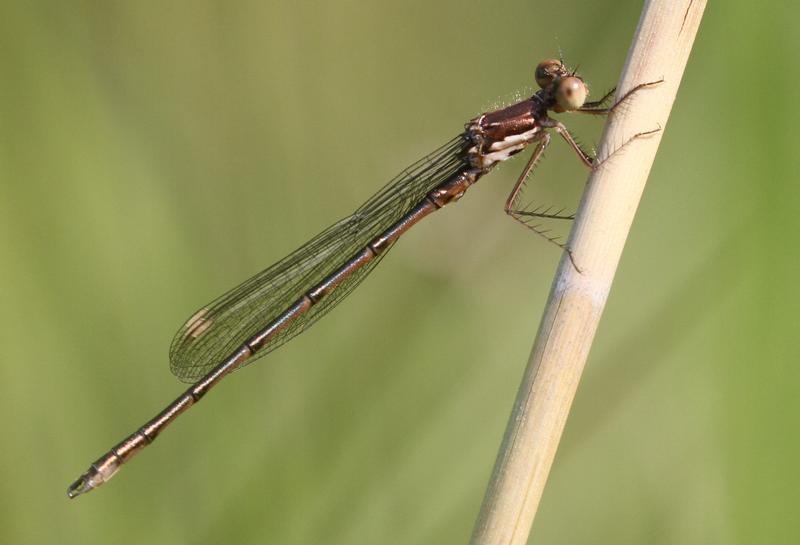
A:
x: 283, y: 300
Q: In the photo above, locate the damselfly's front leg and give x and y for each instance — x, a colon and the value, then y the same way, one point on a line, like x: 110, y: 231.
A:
x: 595, y: 104
x: 597, y: 107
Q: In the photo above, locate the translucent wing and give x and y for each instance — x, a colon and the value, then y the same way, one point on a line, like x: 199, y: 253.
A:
x: 218, y: 329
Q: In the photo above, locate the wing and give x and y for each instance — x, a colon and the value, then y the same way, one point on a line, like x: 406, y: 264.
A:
x: 221, y: 327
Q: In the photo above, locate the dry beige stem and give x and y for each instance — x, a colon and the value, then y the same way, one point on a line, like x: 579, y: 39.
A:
x: 660, y: 50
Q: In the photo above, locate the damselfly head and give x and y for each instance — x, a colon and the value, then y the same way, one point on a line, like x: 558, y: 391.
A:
x: 565, y: 89
x: 548, y: 71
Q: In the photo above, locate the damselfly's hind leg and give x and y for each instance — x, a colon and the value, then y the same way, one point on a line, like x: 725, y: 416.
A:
x: 511, y: 202
x: 598, y: 107
x: 529, y: 218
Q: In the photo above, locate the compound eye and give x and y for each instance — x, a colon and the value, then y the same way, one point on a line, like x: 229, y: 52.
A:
x: 547, y: 71
x: 571, y: 93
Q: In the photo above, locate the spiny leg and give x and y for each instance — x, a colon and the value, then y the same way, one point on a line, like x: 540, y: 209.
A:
x: 524, y: 216
x: 586, y: 158
x: 597, y: 164
x: 594, y: 104
x: 511, y: 202
x: 594, y: 108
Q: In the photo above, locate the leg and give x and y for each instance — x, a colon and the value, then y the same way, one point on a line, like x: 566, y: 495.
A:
x: 511, y: 203
x: 586, y: 158
x: 589, y: 160
x: 593, y: 105
x: 537, y: 153
x: 594, y: 108
x: 524, y: 216
x: 597, y: 164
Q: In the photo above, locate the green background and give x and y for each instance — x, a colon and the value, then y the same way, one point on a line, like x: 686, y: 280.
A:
x: 155, y: 154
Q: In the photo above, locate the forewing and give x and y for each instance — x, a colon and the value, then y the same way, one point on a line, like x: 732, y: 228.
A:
x: 214, y: 332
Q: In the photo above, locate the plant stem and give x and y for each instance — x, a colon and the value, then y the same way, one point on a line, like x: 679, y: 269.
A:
x: 660, y: 50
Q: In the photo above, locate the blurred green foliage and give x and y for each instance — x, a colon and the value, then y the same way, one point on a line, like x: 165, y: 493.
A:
x: 155, y: 154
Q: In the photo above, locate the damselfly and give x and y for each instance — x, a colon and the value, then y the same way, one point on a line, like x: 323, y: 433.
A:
x: 285, y: 299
